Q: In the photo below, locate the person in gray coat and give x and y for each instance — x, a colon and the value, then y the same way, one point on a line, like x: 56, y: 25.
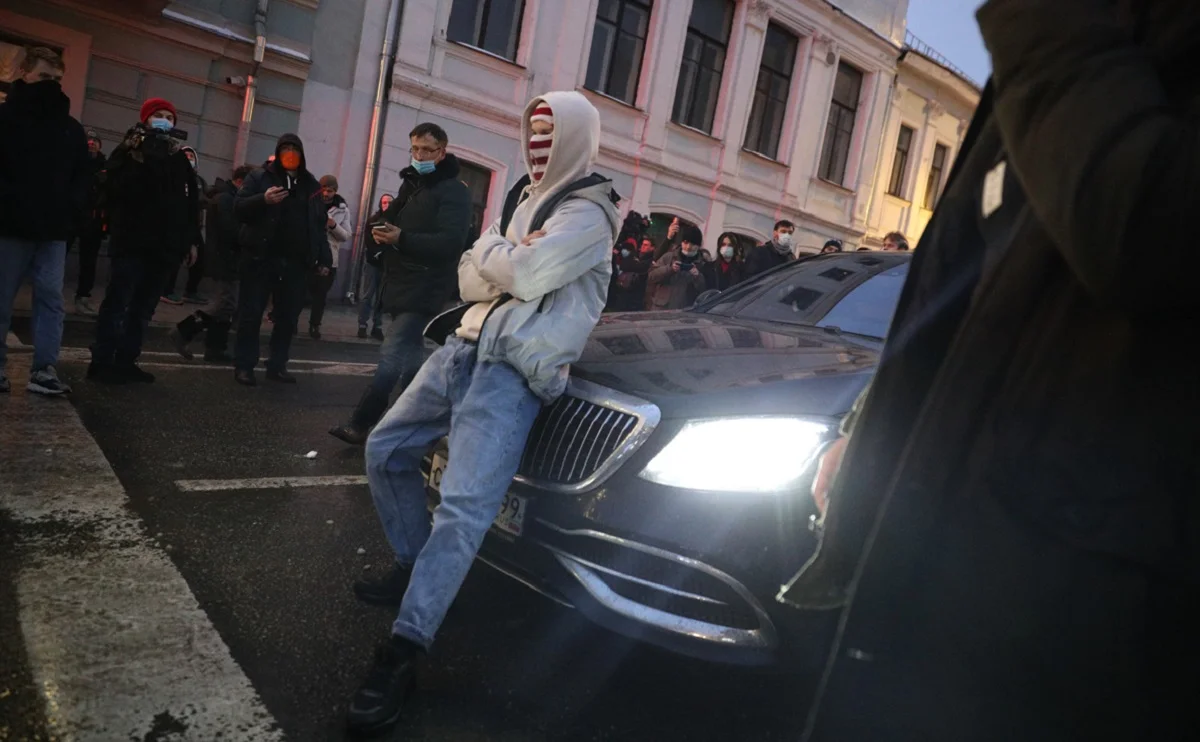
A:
x: 537, y: 289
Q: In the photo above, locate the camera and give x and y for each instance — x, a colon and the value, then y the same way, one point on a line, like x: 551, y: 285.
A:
x: 156, y: 141
x: 686, y: 263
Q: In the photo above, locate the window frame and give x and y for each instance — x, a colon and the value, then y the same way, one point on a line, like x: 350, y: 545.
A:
x: 788, y: 78
x: 605, y: 88
x: 834, y: 127
x: 933, y: 184
x: 900, y: 162
x: 683, y: 113
x: 483, y: 10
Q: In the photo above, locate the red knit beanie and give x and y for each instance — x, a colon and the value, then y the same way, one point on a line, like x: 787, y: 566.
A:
x: 153, y: 105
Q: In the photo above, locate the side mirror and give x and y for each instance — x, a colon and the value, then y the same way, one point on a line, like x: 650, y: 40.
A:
x: 706, y: 297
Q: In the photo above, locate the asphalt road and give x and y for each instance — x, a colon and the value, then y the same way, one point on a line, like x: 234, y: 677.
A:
x: 272, y: 567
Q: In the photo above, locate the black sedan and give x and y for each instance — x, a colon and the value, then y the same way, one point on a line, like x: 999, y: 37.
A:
x: 667, y: 495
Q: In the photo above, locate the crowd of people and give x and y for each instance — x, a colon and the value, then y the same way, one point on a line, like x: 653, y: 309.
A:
x: 268, y: 235
x: 674, y: 273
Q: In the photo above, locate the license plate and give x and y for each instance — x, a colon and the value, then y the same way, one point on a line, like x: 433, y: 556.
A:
x: 511, y: 519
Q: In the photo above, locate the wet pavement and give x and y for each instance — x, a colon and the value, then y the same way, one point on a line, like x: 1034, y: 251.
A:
x: 269, y: 568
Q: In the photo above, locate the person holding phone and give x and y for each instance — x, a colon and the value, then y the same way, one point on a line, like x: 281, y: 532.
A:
x: 678, y: 277
x: 417, y: 244
x: 283, y: 238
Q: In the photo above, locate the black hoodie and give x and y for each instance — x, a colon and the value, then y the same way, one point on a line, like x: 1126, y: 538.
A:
x: 44, y: 173
x: 294, y: 229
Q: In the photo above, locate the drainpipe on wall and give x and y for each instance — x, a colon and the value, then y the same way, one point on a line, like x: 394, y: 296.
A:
x: 387, y: 60
x: 260, y: 47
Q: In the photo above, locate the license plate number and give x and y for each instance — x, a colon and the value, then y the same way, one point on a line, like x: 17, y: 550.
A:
x: 511, y: 519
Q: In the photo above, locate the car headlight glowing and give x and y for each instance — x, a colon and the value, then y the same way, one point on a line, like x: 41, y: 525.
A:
x: 739, y: 454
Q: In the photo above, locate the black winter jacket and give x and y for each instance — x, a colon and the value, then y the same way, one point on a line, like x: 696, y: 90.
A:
x: 44, y: 173
x: 433, y: 212
x: 153, y: 205
x: 763, y: 258
x: 260, y: 222
x: 221, y: 229
x: 1024, y: 390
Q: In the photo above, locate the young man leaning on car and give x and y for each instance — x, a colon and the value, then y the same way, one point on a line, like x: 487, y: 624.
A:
x: 537, y: 286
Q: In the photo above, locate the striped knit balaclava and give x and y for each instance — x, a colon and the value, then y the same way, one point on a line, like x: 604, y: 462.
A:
x: 539, y: 144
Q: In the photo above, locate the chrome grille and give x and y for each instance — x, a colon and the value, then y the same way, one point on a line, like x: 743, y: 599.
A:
x: 573, y: 439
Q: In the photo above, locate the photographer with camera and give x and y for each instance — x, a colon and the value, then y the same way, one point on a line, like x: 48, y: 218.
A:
x: 678, y: 277
x: 283, y: 239
x: 154, y: 224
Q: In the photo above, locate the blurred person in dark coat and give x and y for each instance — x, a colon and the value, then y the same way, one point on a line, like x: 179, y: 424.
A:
x: 1013, y: 537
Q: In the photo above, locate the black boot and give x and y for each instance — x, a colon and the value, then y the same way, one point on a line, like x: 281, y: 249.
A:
x: 105, y: 373
x: 217, y: 342
x: 282, y: 377
x: 380, y: 700
x: 388, y: 591
x: 245, y: 378
x: 185, y: 332
x: 135, y: 374
x: 367, y: 412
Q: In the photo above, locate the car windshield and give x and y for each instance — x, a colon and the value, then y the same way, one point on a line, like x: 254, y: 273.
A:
x: 855, y: 294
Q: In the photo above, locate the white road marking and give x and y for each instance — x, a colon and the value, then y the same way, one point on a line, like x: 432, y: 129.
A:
x: 160, y: 360
x: 268, y: 483
x: 117, y: 644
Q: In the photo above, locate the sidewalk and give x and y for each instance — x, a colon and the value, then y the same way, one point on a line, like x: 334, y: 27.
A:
x: 339, y: 325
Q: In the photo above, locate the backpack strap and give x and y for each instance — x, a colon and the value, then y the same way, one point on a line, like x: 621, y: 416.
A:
x: 515, y: 196
x: 547, y: 207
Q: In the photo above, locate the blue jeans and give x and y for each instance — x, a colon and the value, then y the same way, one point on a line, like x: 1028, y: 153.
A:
x: 262, y: 279
x: 368, y: 303
x: 488, y: 411
x: 129, y: 303
x: 45, y: 261
x: 400, y: 358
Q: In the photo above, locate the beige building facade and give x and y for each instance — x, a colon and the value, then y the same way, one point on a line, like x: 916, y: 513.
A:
x: 930, y: 107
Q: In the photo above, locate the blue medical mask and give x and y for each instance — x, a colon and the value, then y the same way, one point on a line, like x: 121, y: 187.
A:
x: 161, y: 124
x: 424, y: 167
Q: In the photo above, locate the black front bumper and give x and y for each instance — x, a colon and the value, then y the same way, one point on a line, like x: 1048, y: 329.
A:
x: 692, y: 573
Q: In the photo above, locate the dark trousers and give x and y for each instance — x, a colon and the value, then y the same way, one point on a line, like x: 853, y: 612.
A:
x: 195, y: 275
x: 400, y: 358
x: 133, y: 292
x: 261, y: 280
x: 89, y: 254
x: 318, y: 291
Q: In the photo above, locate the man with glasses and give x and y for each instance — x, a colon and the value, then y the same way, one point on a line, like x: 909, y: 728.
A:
x: 417, y: 245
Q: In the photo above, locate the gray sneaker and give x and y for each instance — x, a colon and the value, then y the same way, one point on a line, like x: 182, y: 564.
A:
x: 45, y: 381
x: 84, y: 307
x: 5, y: 384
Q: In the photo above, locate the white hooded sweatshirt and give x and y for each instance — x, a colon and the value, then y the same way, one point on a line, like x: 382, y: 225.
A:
x: 560, y: 281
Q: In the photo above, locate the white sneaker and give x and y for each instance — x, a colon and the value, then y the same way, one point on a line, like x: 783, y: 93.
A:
x: 84, y: 307
x: 46, y: 381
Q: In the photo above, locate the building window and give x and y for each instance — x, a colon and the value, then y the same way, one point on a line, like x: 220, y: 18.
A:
x: 771, y: 93
x: 703, y: 62
x: 491, y: 25
x: 618, y: 45
x: 840, y: 129
x: 937, y: 169
x: 900, y: 162
x: 478, y: 180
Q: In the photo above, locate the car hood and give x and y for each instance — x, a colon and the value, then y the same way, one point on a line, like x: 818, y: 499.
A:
x: 694, y: 365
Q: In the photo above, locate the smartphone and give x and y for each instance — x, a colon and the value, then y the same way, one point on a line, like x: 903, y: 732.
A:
x: 379, y: 225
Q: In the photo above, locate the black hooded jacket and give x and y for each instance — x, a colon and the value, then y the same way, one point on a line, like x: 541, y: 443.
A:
x: 153, y: 204
x: 433, y: 213
x: 44, y: 173
x: 293, y: 229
